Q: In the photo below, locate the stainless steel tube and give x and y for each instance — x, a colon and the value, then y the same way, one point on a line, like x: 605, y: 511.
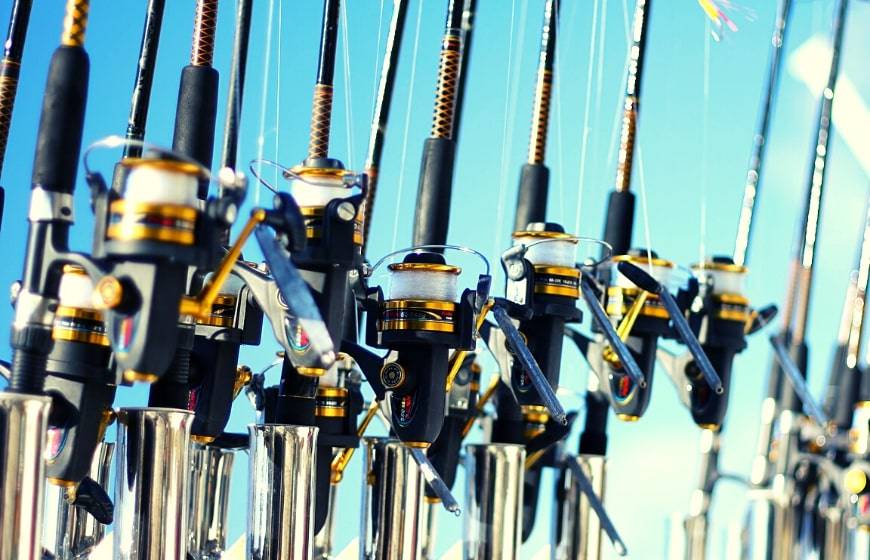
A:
x: 577, y: 535
x: 757, y: 529
x: 429, y: 529
x: 210, y: 471
x: 23, y: 421
x: 494, y: 504
x: 70, y: 532
x: 392, y: 502
x: 323, y: 540
x: 151, y: 485
x: 281, y: 492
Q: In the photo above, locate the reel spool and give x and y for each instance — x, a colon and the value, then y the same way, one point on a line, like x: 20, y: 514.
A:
x: 314, y: 188
x: 159, y: 211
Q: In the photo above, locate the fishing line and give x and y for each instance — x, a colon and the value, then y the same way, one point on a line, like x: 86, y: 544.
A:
x: 261, y: 138
x: 403, y: 160
x: 705, y: 145
x: 599, y: 76
x: 625, y: 22
x: 278, y: 84
x: 584, y: 143
x: 643, y: 206
x: 348, y: 89
x: 508, y: 121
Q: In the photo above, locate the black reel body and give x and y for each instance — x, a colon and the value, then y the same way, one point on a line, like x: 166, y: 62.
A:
x: 216, y: 380
x: 461, y: 409
x: 722, y: 323
x: 543, y: 286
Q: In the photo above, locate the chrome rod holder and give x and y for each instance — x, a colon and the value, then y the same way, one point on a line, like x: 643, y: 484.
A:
x: 578, y: 532
x: 281, y: 491
x: 323, y: 541
x: 392, y: 502
x: 494, y: 476
x: 151, y: 487
x: 429, y: 527
x: 70, y: 532
x: 23, y: 423
x: 210, y: 471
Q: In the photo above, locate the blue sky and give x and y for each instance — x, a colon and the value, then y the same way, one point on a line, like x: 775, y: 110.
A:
x: 693, y: 148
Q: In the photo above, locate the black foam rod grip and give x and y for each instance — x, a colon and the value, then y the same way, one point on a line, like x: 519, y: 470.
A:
x: 59, y: 140
x: 532, y: 196
x: 432, y: 216
x: 789, y: 399
x: 620, y: 220
x: 2, y: 204
x: 864, y: 384
x: 796, y: 395
x: 847, y: 397
x: 195, y: 116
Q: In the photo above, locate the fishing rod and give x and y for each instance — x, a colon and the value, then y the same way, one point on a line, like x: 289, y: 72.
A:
x: 216, y: 377
x: 80, y: 372
x: 830, y: 503
x: 23, y: 405
x: 618, y: 227
x: 423, y: 317
x: 760, y: 139
x: 724, y: 318
x: 445, y: 451
x: 160, y: 227
x: 235, y: 94
x: 636, y: 300
x: 402, y: 325
x: 542, y: 290
x: 193, y: 137
x: 317, y: 400
x: 383, y: 102
x: 144, y: 77
x: 786, y: 526
x: 10, y: 69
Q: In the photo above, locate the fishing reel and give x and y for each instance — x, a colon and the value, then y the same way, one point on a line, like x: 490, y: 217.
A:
x: 80, y: 380
x: 328, y: 199
x: 543, y: 286
x: 419, y: 321
x: 642, y: 319
x: 624, y: 360
x: 155, y: 230
x: 723, y: 317
x: 645, y: 311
